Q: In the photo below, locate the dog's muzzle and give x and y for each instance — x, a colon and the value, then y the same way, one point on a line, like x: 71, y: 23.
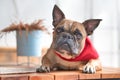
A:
x: 66, y: 42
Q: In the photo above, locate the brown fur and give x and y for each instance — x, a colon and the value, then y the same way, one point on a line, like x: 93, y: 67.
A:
x: 51, y: 61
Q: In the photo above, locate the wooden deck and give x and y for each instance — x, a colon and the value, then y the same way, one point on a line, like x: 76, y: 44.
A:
x: 106, y: 73
x: 7, y: 58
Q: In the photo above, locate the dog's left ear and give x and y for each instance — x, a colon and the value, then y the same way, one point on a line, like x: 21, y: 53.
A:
x: 58, y: 15
x: 90, y: 25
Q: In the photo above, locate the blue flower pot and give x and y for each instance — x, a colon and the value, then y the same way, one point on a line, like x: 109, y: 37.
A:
x: 29, y: 43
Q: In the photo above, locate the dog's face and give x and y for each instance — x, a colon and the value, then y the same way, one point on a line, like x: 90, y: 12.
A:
x: 69, y: 36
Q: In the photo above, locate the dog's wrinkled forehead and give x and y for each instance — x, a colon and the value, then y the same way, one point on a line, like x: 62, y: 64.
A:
x: 71, y: 26
x: 59, y: 18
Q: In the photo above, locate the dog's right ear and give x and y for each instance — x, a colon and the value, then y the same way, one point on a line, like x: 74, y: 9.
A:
x: 58, y: 15
x: 90, y: 25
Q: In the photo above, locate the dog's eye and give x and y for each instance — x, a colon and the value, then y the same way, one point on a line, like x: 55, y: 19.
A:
x: 77, y: 34
x: 60, y: 29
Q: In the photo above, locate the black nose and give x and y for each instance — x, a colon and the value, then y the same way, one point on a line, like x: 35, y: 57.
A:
x: 67, y: 36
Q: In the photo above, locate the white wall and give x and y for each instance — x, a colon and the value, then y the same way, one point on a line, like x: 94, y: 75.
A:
x: 26, y: 11
x: 105, y: 38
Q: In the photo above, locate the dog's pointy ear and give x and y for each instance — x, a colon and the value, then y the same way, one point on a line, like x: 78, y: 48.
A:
x: 90, y: 25
x: 58, y: 15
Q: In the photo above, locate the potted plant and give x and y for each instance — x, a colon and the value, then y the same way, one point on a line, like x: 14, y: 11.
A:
x: 28, y: 37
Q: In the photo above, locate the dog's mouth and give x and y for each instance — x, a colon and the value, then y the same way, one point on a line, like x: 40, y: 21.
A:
x: 64, y: 48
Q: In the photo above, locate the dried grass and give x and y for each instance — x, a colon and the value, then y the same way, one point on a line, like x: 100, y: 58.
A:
x: 36, y: 25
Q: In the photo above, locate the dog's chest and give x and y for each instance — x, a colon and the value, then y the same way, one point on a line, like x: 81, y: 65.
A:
x: 69, y: 64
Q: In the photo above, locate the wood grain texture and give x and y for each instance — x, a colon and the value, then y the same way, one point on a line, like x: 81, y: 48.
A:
x: 41, y: 76
x: 89, y: 76
x: 14, y: 78
x: 110, y: 73
x: 8, y: 56
x: 106, y: 73
x: 66, y: 75
x: 5, y: 49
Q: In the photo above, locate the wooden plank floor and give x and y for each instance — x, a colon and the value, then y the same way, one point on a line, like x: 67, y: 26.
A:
x: 106, y: 73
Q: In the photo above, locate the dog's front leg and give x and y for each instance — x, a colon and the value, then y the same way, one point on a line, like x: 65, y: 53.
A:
x: 92, y: 66
x: 46, y: 65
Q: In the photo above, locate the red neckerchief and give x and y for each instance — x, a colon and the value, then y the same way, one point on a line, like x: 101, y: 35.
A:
x: 88, y: 53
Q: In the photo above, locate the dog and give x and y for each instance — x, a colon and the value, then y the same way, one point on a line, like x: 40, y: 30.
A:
x: 71, y: 49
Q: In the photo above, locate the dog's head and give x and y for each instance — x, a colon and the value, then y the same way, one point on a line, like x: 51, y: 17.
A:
x: 69, y: 36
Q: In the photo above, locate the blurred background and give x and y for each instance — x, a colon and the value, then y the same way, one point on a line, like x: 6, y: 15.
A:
x: 106, y: 37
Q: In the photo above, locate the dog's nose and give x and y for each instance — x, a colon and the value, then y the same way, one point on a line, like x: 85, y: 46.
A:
x: 68, y: 36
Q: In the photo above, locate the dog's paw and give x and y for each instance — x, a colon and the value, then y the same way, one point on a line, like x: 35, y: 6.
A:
x: 89, y: 68
x: 43, y: 69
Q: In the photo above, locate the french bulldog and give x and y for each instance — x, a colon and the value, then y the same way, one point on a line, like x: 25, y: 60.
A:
x: 71, y: 49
